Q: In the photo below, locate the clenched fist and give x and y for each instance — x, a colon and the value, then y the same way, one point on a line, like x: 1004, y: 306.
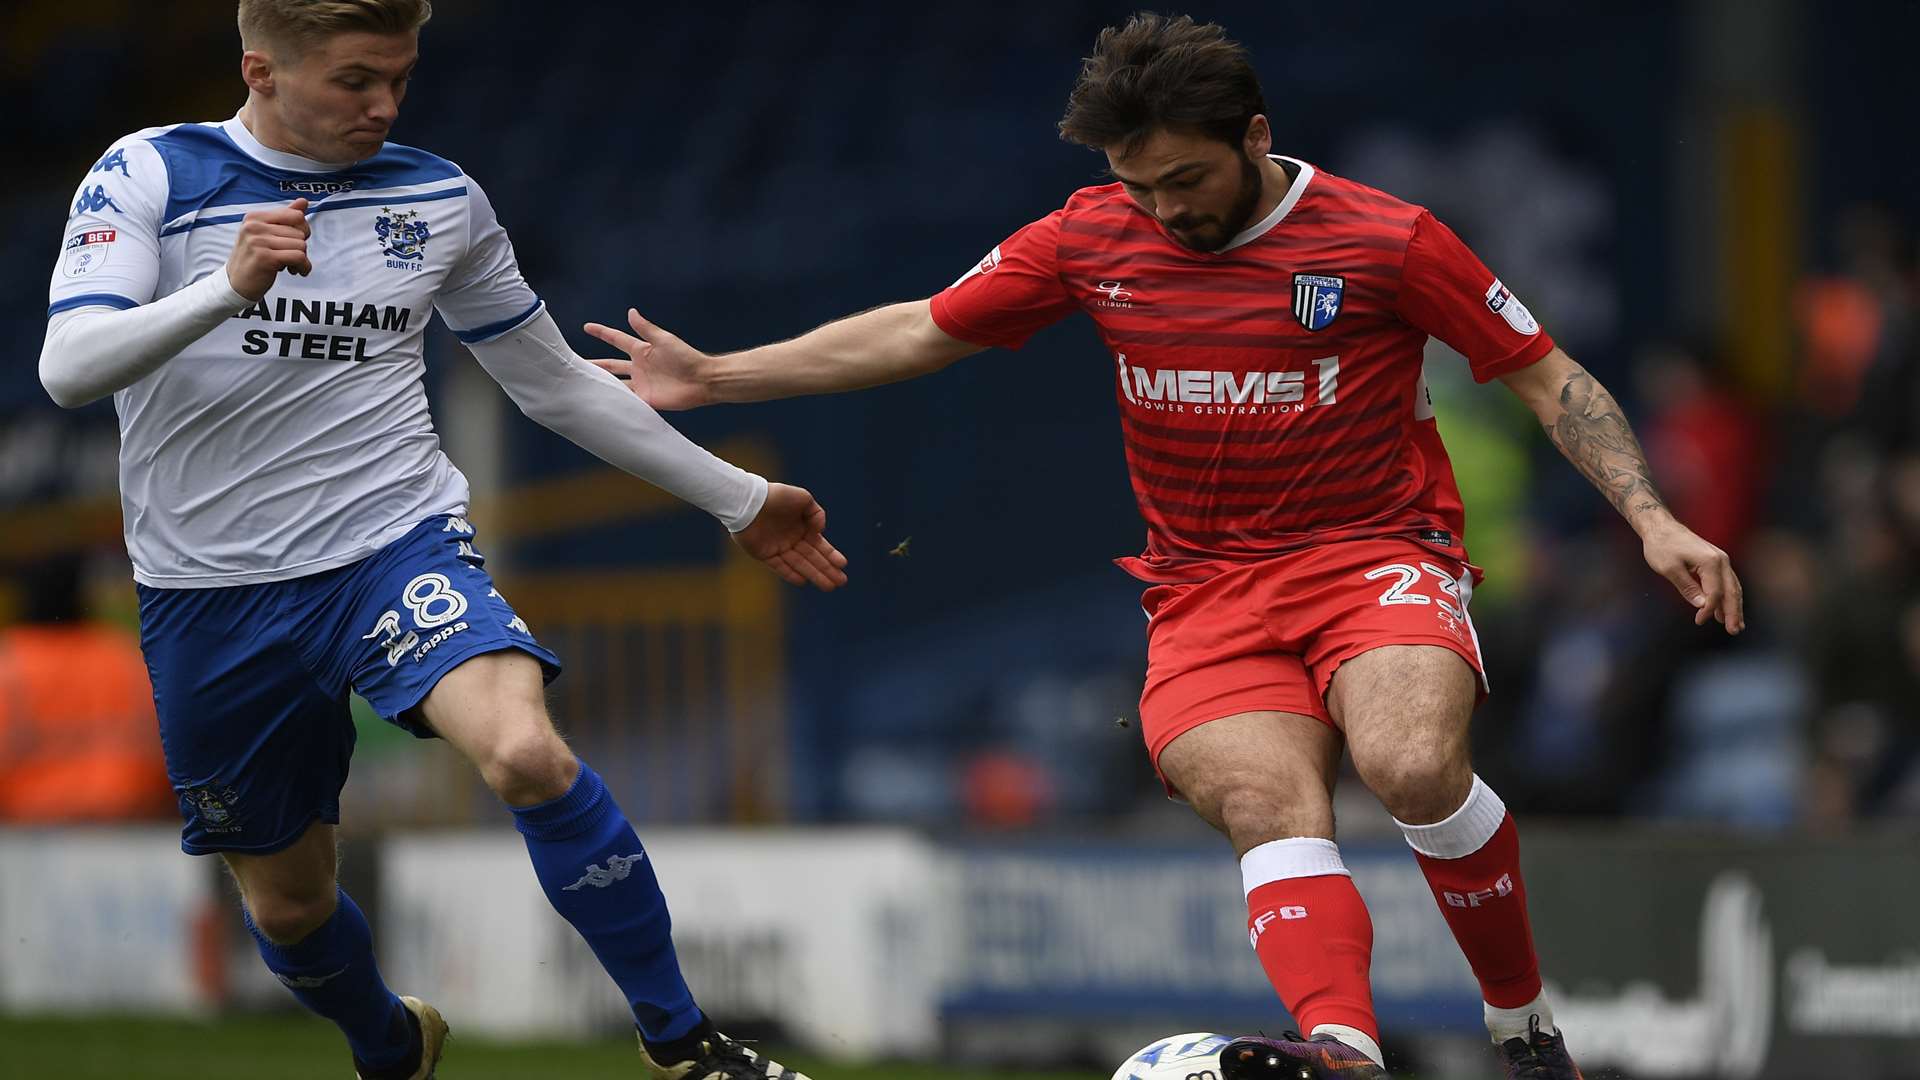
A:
x: 270, y: 241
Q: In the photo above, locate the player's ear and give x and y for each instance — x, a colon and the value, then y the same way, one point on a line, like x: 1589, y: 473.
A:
x: 1259, y: 138
x: 256, y: 69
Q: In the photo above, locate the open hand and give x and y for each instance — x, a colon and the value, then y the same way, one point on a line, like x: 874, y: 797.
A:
x: 1701, y: 572
x: 789, y: 536
x: 666, y: 372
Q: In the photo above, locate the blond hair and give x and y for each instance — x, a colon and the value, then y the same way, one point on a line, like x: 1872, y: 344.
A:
x: 292, y: 26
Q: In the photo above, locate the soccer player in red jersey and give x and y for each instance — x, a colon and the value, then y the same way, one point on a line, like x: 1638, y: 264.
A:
x: 1306, y: 583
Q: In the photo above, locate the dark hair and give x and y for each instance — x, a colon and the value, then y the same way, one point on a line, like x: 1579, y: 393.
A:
x: 1158, y: 73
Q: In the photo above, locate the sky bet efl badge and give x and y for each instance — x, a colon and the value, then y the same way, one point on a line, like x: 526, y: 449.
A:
x: 87, y: 251
x: 1316, y: 299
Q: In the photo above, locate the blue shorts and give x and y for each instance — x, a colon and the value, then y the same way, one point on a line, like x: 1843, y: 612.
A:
x: 251, y: 681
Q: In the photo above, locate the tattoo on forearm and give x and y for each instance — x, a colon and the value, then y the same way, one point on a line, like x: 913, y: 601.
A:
x: 1593, y: 434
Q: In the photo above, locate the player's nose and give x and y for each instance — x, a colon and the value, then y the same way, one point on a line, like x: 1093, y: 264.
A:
x: 384, y: 109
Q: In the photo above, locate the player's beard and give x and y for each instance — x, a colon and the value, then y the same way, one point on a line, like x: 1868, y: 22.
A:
x: 1214, y: 233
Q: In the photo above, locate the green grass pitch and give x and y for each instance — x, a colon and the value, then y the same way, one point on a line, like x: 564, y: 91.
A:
x: 296, y: 1047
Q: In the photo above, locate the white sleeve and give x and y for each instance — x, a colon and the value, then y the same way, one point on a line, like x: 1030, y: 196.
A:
x: 110, y: 250
x: 105, y: 330
x: 485, y: 296
x: 91, y: 352
x: 563, y: 392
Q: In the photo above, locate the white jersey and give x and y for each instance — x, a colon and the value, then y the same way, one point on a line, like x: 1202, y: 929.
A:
x: 294, y: 437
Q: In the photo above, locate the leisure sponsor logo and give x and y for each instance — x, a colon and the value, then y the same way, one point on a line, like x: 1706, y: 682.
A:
x: 87, y: 251
x: 1113, y: 294
x: 403, y: 238
x: 1502, y: 302
x: 1316, y: 299
x: 1229, y: 392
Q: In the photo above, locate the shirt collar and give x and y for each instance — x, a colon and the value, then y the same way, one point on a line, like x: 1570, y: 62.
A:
x: 279, y: 159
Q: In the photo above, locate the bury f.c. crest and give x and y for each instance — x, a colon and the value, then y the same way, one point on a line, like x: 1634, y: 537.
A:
x: 214, y: 811
x: 403, y: 237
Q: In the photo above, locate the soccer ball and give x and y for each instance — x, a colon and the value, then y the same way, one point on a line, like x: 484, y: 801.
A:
x: 1193, y: 1056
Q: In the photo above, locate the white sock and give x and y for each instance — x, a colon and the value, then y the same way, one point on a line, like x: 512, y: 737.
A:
x: 1504, y: 1024
x: 1353, y: 1037
x: 1462, y: 832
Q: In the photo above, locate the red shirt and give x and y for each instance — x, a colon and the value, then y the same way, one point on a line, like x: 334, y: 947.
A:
x: 1270, y: 393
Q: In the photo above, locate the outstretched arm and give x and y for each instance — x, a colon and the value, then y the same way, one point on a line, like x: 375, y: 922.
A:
x: 881, y: 345
x: 1590, y: 429
x: 781, y: 526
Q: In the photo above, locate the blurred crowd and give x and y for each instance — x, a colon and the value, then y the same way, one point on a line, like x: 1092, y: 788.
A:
x: 1813, y: 715
x: 1607, y: 700
x: 1000, y: 691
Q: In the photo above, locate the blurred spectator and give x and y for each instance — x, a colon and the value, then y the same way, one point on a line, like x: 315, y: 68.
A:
x: 1702, y: 442
x: 1855, y: 323
x: 78, y: 739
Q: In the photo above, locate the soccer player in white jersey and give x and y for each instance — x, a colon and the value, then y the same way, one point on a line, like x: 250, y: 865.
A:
x: 253, y: 293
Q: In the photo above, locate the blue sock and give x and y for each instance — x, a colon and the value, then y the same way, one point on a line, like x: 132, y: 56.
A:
x: 331, y: 971
x: 597, y: 876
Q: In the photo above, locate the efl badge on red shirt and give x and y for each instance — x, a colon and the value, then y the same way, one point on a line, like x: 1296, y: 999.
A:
x: 1316, y: 299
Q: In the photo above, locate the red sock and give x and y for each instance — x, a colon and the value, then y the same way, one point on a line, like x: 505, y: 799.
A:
x: 1472, y: 863
x: 1313, y: 935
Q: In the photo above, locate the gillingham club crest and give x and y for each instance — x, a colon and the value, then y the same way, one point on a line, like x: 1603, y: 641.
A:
x: 1316, y: 299
x: 403, y: 237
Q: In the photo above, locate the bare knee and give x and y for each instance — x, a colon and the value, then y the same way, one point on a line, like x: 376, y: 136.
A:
x: 1420, y: 777
x: 1405, y: 710
x: 1257, y: 776
x: 286, y: 917
x: 1252, y: 809
x: 528, y: 763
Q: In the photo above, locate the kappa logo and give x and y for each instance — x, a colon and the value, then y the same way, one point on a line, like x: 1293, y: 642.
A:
x: 317, y: 187
x: 114, y: 159
x: 92, y: 202
x: 403, y: 237
x: 618, y: 867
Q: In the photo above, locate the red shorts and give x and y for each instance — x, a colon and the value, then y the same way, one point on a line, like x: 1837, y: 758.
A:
x: 1268, y: 636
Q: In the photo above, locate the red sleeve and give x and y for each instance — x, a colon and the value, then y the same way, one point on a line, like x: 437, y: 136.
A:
x: 1013, y: 292
x: 1447, y: 291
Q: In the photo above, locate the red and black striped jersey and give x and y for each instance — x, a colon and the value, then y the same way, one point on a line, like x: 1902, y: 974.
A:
x: 1270, y: 393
